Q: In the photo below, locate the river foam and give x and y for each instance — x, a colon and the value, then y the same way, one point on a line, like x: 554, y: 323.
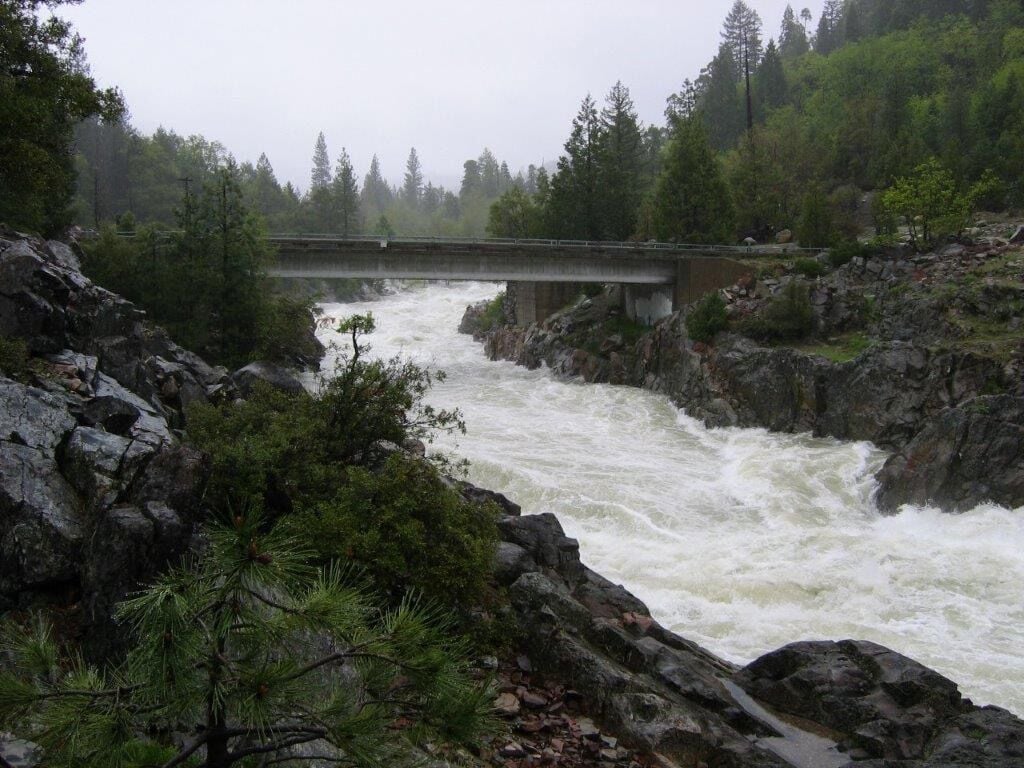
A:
x: 739, y: 539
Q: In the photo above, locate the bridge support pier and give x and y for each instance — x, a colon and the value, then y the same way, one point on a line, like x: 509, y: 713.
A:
x: 647, y: 303
x: 534, y: 302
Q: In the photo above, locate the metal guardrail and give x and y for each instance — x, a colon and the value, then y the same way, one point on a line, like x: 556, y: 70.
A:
x: 754, y: 250
x: 550, y: 243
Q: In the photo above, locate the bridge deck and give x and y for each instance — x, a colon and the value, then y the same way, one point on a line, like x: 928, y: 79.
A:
x: 495, y: 259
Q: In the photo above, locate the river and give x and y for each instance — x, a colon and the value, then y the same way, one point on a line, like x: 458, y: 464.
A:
x: 738, y: 539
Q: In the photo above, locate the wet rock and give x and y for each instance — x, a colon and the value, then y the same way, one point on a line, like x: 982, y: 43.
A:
x: 885, y: 705
x: 962, y: 457
x: 268, y: 373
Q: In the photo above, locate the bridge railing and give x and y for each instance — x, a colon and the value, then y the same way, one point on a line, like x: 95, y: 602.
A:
x: 751, y: 250
x: 544, y: 242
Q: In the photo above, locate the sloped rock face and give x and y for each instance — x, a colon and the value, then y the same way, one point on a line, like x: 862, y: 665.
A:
x: 97, y: 494
x: 656, y: 691
x: 888, y: 709
x: 980, y: 445
x: 856, y: 702
x: 45, y: 300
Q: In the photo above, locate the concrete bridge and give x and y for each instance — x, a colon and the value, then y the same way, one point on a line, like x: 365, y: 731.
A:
x: 543, y: 275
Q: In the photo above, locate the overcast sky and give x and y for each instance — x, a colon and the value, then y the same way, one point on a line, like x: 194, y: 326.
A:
x: 380, y: 76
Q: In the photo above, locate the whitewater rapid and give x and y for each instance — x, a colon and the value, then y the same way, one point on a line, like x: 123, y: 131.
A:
x: 738, y: 539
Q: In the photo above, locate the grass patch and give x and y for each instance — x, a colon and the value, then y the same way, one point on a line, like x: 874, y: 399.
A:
x: 631, y: 331
x: 841, y: 349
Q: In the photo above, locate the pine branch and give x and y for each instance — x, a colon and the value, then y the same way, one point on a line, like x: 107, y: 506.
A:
x: 264, y: 749
x: 181, y: 757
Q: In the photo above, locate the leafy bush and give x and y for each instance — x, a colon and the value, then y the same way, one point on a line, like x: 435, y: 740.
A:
x: 811, y: 268
x: 788, y: 317
x: 331, y: 462
x: 407, y: 527
x: 494, y: 314
x: 13, y: 357
x: 929, y: 204
x: 707, y: 318
x: 846, y: 251
x: 816, y: 228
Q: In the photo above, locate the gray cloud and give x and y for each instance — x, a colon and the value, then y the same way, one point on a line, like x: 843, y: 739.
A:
x: 448, y: 77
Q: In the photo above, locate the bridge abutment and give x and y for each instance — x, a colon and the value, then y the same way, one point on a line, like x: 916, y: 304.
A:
x: 698, y: 275
x: 536, y: 301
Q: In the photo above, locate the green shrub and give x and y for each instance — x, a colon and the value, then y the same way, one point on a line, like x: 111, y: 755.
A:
x: 845, y: 252
x: 788, y: 317
x: 407, y: 528
x: 707, y: 318
x: 328, y: 464
x: 494, y: 314
x: 13, y: 357
x: 811, y: 268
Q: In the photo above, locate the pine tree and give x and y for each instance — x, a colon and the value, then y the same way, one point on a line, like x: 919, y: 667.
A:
x: 320, y: 177
x: 830, y: 28
x: 573, y: 205
x: 45, y: 89
x: 346, y: 195
x: 720, y: 103
x: 792, y: 36
x: 376, y: 192
x: 412, y: 187
x: 691, y: 201
x: 490, y: 173
x: 741, y: 32
x: 471, y: 182
x: 771, y: 87
x: 266, y: 192
x: 620, y: 158
x: 249, y: 652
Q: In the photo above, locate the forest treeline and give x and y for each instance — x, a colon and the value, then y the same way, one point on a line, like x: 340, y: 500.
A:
x: 785, y: 128
x: 790, y: 133
x: 128, y: 177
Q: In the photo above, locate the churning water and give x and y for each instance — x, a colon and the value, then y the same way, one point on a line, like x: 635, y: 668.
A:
x: 736, y: 538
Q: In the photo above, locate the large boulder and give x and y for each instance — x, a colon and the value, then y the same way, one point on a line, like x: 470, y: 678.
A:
x: 962, y: 457
x: 887, y: 709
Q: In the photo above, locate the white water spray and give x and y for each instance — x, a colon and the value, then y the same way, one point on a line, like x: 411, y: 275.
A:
x: 738, y: 539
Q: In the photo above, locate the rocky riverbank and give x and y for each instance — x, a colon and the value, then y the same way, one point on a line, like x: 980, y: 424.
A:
x: 99, y: 493
x: 904, y: 350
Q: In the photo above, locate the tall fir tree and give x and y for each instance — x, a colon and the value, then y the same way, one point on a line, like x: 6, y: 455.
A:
x: 771, y: 88
x: 346, y: 196
x: 376, y: 193
x: 412, y: 187
x: 320, y: 177
x: 741, y: 32
x: 721, y: 106
x: 830, y: 28
x: 573, y: 205
x: 691, y: 201
x: 792, y: 36
x: 620, y: 164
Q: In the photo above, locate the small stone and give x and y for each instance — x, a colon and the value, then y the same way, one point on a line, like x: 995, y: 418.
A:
x: 507, y: 704
x: 523, y: 662
x: 587, y: 728
x: 534, y: 700
x: 609, y: 741
x: 512, y: 749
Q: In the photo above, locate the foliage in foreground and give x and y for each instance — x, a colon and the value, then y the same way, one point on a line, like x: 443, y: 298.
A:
x: 250, y: 652
x: 330, y: 463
